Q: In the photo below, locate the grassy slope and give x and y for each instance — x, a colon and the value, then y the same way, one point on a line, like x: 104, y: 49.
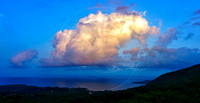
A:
x: 182, y: 86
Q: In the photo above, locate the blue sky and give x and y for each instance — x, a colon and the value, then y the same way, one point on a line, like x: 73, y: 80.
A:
x: 32, y: 24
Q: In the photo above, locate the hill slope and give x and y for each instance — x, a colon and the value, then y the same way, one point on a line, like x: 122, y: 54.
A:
x: 178, y: 76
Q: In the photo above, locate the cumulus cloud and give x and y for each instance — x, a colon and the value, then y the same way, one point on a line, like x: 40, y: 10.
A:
x: 20, y: 60
x: 97, y: 39
x: 134, y: 52
x: 168, y: 37
x: 163, y: 57
x: 160, y: 56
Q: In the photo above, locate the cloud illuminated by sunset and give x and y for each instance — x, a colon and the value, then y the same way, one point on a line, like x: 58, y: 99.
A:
x: 97, y: 39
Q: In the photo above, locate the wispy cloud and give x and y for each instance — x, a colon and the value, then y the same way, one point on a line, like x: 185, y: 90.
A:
x: 196, y: 24
x: 160, y: 56
x: 168, y: 37
x: 20, y: 60
x: 189, y: 36
x: 197, y: 12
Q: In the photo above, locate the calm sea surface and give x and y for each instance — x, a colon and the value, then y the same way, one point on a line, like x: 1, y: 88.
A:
x: 91, y: 84
x: 93, y: 80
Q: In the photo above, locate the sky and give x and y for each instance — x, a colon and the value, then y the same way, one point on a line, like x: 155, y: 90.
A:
x: 42, y: 37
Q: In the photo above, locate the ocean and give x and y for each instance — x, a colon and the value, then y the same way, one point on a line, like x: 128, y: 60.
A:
x: 90, y: 79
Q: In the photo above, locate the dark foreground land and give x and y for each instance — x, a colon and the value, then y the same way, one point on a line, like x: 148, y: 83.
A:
x: 182, y: 86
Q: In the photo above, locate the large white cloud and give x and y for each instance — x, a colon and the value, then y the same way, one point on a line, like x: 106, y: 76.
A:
x: 97, y: 39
